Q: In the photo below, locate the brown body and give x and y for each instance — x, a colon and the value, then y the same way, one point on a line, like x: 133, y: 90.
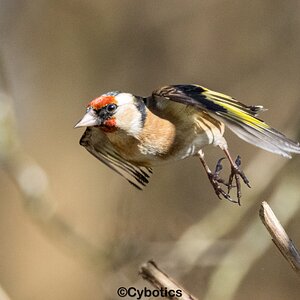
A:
x: 167, y: 134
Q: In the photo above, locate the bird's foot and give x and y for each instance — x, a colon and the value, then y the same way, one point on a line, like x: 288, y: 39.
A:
x: 234, y: 178
x: 216, y: 180
x: 235, y: 175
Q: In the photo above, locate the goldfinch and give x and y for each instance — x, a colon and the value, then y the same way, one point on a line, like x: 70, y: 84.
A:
x: 131, y: 134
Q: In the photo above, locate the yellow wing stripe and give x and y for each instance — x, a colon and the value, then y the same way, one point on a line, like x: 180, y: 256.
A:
x: 230, y: 101
x: 244, y: 116
x: 216, y: 94
x: 232, y: 106
x: 220, y: 95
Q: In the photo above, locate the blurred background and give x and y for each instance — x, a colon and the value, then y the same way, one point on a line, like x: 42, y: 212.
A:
x: 70, y: 228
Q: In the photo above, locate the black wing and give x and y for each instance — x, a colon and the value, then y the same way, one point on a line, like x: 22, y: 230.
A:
x: 99, y: 146
x: 201, y: 97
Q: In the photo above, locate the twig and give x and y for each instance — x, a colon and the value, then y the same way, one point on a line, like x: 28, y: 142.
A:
x: 280, y: 237
x: 150, y: 272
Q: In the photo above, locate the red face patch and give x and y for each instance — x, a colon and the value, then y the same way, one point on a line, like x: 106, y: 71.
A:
x: 109, y: 125
x: 101, y: 101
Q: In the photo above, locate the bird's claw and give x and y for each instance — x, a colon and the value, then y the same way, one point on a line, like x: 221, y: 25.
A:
x: 216, y: 175
x: 219, y: 166
x: 215, y: 182
x: 235, y: 175
x: 233, y: 181
x: 238, y: 161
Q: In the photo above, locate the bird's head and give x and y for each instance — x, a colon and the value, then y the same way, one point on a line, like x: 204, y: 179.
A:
x: 115, y: 110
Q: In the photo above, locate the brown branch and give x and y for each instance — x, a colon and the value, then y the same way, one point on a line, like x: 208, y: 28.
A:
x: 280, y: 237
x: 150, y: 272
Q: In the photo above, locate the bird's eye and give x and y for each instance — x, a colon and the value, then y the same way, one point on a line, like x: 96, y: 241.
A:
x: 111, y: 107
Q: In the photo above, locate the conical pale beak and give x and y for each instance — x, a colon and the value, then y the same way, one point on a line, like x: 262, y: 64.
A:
x: 89, y: 119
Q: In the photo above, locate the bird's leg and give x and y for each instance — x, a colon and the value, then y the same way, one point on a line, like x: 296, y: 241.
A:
x: 235, y: 173
x: 214, y: 178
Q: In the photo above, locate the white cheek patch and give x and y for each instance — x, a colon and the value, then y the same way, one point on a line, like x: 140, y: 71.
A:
x: 128, y: 118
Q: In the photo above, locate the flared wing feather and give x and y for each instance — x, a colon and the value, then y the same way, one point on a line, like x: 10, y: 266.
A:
x: 99, y: 146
